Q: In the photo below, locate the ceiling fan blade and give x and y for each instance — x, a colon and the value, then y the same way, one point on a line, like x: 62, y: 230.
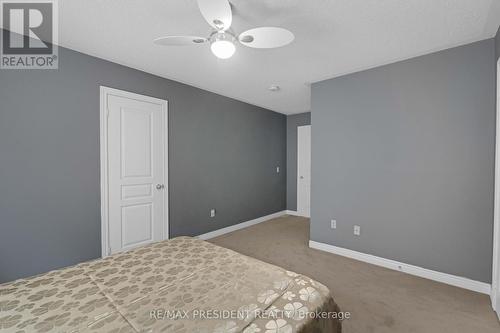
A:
x: 266, y: 37
x: 179, y: 40
x: 217, y: 13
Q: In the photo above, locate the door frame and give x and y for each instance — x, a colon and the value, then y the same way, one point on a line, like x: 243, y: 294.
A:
x: 298, y: 176
x: 496, y: 210
x: 103, y: 142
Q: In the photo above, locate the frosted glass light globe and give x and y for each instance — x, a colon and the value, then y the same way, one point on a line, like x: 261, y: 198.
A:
x: 223, y: 49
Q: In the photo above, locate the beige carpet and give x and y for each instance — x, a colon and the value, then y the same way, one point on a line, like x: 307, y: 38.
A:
x: 380, y: 300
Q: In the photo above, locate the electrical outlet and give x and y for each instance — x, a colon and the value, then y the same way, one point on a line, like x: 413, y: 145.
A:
x: 212, y: 212
x: 333, y: 224
x: 277, y: 169
x: 357, y: 230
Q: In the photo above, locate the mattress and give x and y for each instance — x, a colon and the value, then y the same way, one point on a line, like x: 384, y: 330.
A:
x: 181, y: 285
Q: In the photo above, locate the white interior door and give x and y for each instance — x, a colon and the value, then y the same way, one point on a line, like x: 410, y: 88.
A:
x: 495, y: 290
x: 304, y: 170
x: 136, y: 170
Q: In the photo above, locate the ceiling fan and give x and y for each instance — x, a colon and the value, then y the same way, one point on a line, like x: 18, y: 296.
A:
x: 222, y: 39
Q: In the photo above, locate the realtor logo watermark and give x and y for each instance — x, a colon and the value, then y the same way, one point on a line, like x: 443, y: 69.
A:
x: 29, y: 34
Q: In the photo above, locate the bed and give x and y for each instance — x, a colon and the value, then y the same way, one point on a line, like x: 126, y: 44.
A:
x: 181, y: 285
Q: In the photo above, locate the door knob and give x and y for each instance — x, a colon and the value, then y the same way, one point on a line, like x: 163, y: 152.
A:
x: 160, y: 186
x: 301, y: 177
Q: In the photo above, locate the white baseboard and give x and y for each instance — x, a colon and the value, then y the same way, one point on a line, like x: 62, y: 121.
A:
x: 494, y: 301
x: 457, y: 281
x: 239, y: 226
x: 294, y: 213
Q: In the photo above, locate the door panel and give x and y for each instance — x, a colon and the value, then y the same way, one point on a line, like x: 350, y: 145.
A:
x: 136, y: 142
x: 136, y: 136
x: 136, y: 224
x: 304, y: 170
x: 137, y: 191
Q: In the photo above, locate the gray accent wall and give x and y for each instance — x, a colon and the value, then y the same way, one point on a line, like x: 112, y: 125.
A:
x: 222, y: 154
x: 292, y: 122
x: 497, y: 44
x: 406, y: 151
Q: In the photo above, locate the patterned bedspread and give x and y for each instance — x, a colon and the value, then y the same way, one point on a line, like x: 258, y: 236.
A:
x: 182, y: 285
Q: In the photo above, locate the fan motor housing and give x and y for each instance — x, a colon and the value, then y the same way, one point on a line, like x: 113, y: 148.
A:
x: 222, y: 35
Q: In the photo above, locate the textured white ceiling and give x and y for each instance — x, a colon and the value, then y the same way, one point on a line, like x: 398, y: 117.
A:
x: 333, y: 37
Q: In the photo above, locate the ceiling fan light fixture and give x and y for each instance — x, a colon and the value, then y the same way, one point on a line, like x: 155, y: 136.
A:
x: 222, y: 39
x: 222, y: 45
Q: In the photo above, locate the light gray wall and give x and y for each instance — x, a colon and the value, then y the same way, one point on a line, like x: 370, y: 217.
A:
x: 292, y: 122
x: 406, y: 151
x: 222, y: 154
